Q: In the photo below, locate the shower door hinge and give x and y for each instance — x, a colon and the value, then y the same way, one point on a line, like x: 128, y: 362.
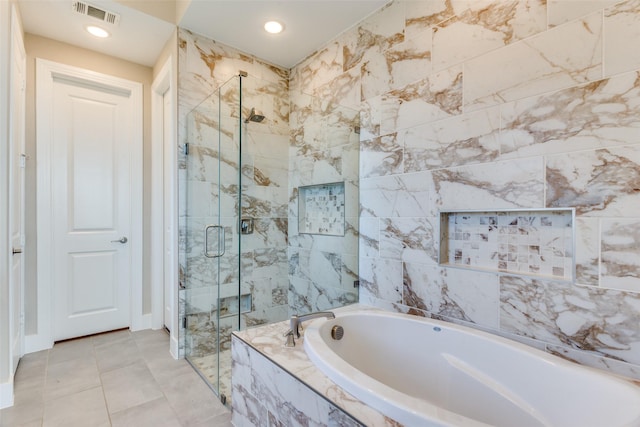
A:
x: 186, y: 149
x: 184, y: 322
x: 356, y: 283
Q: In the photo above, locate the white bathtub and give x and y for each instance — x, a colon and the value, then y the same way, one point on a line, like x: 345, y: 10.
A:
x: 423, y: 372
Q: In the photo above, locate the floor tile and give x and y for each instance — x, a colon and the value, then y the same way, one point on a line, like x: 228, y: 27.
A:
x: 22, y: 414
x: 156, y: 413
x: 129, y: 386
x: 64, y: 378
x: 83, y: 409
x: 191, y: 399
x: 117, y: 354
x: 71, y: 350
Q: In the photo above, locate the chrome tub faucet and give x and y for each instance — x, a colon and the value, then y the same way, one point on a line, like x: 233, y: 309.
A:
x: 296, y: 321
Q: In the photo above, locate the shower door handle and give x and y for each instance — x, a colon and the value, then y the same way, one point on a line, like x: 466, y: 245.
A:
x: 221, y: 241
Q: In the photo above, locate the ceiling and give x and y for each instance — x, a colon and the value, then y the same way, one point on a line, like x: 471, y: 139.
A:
x: 146, y: 25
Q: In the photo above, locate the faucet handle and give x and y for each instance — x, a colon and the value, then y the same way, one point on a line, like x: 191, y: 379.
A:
x: 291, y: 342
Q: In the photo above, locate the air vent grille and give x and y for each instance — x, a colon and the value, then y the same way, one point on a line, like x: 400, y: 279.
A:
x: 95, y: 12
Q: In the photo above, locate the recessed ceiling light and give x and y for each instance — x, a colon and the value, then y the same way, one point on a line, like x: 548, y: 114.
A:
x: 97, y: 31
x: 273, y: 27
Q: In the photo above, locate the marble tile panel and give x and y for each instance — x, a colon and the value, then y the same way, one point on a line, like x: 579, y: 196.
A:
x: 381, y: 156
x: 587, y: 256
x: 395, y: 67
x: 608, y: 364
x: 596, y: 183
x: 422, y: 16
x: 562, y: 11
x: 395, y: 196
x: 344, y: 89
x: 436, y: 97
x: 599, y: 321
x: 470, y: 138
x: 369, y: 240
x: 596, y: 115
x: 409, y: 239
x: 620, y: 253
x: 379, y: 32
x: 622, y: 31
x: 469, y: 296
x: 499, y: 185
x: 536, y: 65
x: 482, y: 29
x: 321, y: 68
x: 370, y: 118
x: 381, y: 278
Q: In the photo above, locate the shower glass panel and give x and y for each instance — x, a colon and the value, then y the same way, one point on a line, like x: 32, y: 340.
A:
x: 212, y: 273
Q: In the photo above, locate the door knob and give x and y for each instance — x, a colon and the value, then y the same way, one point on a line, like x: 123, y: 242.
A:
x: 121, y: 240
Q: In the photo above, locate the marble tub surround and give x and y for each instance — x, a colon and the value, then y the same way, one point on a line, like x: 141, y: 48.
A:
x: 537, y: 109
x: 277, y: 385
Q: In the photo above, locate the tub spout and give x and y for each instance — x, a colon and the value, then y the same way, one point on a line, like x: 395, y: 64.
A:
x: 297, y: 320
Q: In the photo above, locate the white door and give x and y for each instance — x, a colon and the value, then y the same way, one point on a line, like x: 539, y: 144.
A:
x: 16, y: 190
x: 91, y: 167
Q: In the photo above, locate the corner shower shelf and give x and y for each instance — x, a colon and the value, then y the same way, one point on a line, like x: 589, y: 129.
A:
x: 532, y: 242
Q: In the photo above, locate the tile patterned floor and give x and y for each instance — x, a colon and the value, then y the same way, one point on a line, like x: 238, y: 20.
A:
x: 115, y: 379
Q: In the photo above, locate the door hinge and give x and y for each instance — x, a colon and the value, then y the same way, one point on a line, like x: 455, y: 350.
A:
x: 184, y: 322
x: 186, y: 149
x: 356, y: 283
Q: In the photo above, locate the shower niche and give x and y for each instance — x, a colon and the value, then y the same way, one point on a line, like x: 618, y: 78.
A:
x: 533, y: 242
x: 321, y: 209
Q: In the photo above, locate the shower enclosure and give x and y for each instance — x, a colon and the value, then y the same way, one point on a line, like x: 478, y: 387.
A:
x: 243, y: 261
x: 234, y: 263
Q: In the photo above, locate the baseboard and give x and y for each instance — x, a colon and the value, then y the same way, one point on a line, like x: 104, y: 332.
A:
x: 6, y: 394
x: 36, y: 342
x: 173, y: 346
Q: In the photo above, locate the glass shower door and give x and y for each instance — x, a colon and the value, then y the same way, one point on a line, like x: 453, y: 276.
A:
x: 211, y: 274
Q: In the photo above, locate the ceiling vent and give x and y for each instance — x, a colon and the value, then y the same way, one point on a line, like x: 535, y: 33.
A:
x: 95, y: 12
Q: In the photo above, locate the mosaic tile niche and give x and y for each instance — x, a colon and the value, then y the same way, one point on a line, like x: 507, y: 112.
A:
x: 531, y: 242
x: 321, y: 209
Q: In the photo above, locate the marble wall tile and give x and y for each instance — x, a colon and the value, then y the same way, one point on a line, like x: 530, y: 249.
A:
x: 536, y: 65
x: 620, y: 254
x: 587, y: 242
x: 422, y: 16
x: 500, y: 185
x: 396, y: 67
x: 596, y: 183
x: 409, y: 239
x: 614, y: 366
x: 470, y: 138
x: 457, y: 294
x: 380, y: 31
x: 596, y: 320
x: 381, y: 156
x: 596, y: 115
x: 395, y: 196
x: 436, y: 97
x: 621, y: 24
x: 562, y: 11
x: 381, y: 279
x: 482, y: 29
x: 369, y: 241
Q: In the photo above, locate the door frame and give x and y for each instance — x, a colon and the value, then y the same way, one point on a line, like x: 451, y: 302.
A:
x: 46, y: 71
x: 164, y: 219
